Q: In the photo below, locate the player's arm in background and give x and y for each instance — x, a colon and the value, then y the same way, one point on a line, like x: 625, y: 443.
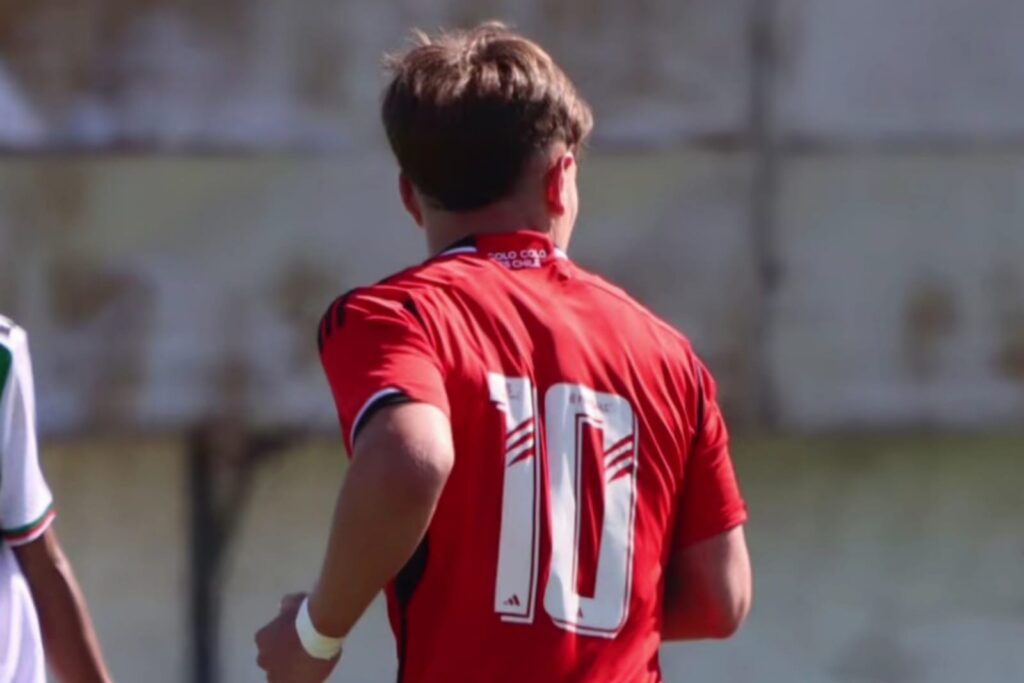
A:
x: 708, y: 586
x: 69, y: 640
x: 392, y: 403
x: 26, y: 512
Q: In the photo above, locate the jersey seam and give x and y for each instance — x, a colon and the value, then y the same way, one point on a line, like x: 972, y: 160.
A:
x: 608, y: 288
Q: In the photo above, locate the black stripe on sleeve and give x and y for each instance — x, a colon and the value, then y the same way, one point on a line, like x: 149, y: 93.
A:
x: 699, y: 431
x: 374, y: 408
x: 339, y: 310
x: 333, y: 319
x: 321, y: 335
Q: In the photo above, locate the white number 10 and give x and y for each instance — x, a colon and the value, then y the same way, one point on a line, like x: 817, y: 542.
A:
x: 569, y: 411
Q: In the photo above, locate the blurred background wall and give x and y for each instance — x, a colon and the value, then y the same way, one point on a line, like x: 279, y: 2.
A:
x: 827, y: 196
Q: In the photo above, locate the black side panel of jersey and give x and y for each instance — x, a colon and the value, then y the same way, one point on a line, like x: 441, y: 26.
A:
x: 406, y: 583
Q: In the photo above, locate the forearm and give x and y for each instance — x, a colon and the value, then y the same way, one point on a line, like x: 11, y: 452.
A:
x: 69, y: 639
x: 382, y: 513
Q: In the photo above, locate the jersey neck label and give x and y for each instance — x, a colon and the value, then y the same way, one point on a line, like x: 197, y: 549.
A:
x: 519, y: 250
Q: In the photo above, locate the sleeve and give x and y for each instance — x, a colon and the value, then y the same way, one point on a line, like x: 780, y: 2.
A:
x: 710, y: 501
x: 26, y: 505
x: 375, y: 352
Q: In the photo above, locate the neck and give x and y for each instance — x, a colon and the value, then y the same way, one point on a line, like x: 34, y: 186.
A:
x: 444, y: 228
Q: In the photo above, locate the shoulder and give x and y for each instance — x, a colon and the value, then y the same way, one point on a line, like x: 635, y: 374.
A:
x: 12, y: 344
x: 396, y: 298
x: 648, y: 320
x: 12, y: 337
x: 8, y: 331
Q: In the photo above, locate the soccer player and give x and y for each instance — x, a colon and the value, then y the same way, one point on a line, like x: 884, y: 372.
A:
x: 540, y: 469
x: 41, y: 606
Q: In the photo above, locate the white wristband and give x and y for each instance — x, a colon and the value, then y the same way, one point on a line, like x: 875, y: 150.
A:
x: 316, y: 644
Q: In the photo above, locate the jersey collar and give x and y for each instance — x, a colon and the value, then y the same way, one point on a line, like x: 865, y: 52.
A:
x: 518, y: 250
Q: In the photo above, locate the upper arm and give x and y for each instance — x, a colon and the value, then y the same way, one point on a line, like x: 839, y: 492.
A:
x: 410, y: 444
x: 40, y: 556
x: 25, y: 499
x: 375, y: 353
x: 709, y: 569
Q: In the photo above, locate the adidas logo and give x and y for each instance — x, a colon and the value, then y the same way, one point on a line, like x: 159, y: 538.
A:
x: 512, y: 602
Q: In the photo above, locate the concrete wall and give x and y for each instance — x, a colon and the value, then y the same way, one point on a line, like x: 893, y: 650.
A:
x: 888, y: 560
x: 898, y: 224
x: 265, y: 75
x: 868, y: 154
x: 902, y: 298
x: 158, y: 292
x: 926, y: 71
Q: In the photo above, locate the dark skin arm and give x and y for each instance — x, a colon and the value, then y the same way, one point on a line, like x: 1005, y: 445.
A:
x: 72, y: 649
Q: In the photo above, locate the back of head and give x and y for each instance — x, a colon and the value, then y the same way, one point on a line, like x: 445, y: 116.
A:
x: 465, y: 111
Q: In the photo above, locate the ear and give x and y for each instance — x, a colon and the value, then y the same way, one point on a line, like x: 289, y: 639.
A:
x: 409, y: 199
x: 557, y: 184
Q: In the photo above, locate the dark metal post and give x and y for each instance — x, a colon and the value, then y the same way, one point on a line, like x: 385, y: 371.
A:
x: 763, y: 42
x: 204, y: 606
x: 223, y: 458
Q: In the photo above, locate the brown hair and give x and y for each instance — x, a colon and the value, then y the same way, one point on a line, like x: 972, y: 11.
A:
x: 465, y: 110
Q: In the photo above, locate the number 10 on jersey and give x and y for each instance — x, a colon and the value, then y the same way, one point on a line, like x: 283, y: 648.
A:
x: 571, y: 413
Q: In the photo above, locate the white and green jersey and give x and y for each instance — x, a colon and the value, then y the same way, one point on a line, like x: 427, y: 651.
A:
x: 26, y: 509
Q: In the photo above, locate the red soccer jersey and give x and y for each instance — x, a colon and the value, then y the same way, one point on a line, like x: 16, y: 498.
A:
x: 588, y: 446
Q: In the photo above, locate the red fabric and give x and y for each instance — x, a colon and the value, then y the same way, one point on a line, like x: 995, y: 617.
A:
x: 710, y: 501
x: 516, y: 307
x: 375, y: 345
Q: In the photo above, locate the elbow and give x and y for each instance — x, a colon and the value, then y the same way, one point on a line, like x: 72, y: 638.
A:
x: 431, y: 476
x: 726, y: 621
x: 419, y: 478
x: 725, y: 626
x: 405, y: 454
